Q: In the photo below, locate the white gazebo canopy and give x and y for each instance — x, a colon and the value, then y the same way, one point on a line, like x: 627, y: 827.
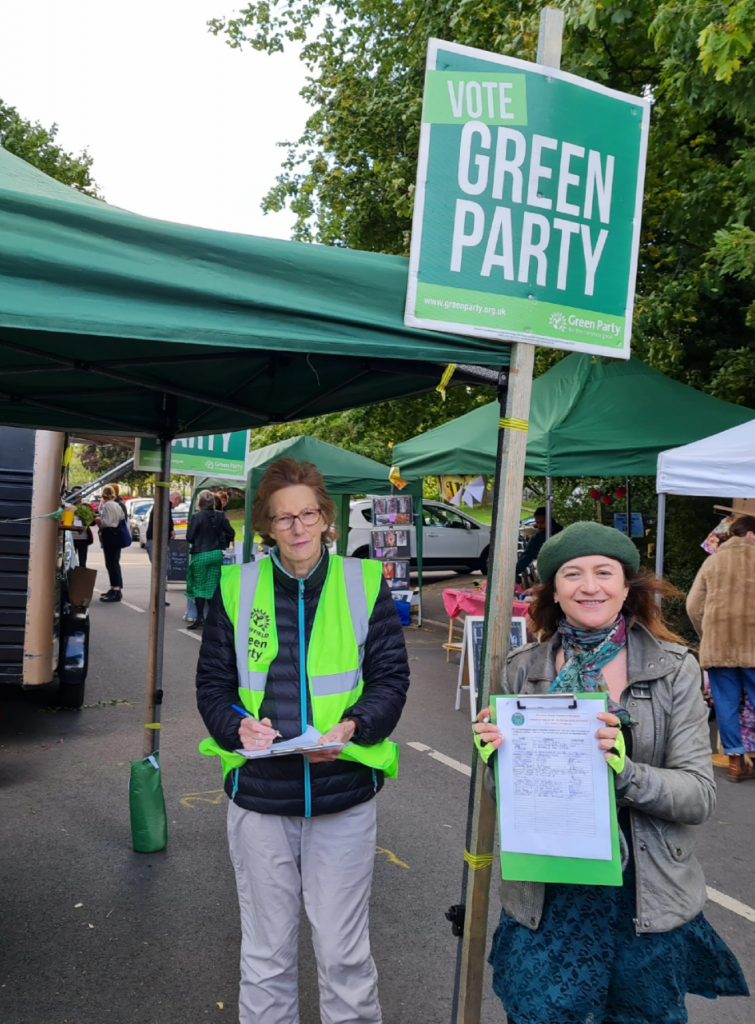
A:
x: 718, y: 466
x: 722, y: 465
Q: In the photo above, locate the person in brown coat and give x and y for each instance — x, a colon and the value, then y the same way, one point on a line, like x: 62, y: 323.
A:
x: 721, y: 607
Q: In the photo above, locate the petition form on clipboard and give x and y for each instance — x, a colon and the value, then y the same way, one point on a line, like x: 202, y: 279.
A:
x: 554, y: 793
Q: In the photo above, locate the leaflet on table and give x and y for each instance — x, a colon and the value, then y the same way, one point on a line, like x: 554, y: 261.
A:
x: 552, y: 778
x: 306, y: 743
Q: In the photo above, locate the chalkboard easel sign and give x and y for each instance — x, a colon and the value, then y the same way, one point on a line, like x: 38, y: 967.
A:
x: 470, y: 663
x: 178, y: 561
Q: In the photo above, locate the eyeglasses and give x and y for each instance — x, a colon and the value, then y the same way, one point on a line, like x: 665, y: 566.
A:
x: 308, y: 517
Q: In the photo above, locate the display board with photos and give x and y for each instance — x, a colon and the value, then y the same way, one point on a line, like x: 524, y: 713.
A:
x: 390, y: 541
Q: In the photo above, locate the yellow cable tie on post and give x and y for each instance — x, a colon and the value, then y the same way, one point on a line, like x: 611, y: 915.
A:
x: 512, y: 424
x: 153, y: 725
x: 478, y: 860
x: 162, y: 483
x: 445, y: 380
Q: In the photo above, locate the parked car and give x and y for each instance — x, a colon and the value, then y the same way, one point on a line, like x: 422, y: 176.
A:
x: 138, y: 514
x: 451, y: 539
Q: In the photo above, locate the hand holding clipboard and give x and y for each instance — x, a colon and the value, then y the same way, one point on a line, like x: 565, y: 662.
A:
x: 556, y: 804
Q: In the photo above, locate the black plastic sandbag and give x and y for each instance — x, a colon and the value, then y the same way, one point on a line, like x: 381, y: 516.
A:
x: 149, y: 821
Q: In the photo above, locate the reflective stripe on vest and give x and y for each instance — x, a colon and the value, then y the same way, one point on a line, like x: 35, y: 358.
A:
x: 253, y: 663
x: 334, y: 655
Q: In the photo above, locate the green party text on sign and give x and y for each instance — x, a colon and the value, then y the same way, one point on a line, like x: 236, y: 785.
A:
x: 218, y: 455
x: 528, y: 202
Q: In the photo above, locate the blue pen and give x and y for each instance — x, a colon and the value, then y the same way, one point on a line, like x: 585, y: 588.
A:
x: 245, y: 714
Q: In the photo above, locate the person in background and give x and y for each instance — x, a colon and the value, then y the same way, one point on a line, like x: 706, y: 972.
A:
x: 82, y: 537
x: 568, y: 954
x: 536, y: 541
x: 110, y: 515
x: 119, y: 500
x: 303, y: 638
x: 175, y: 500
x: 721, y: 607
x: 209, y: 534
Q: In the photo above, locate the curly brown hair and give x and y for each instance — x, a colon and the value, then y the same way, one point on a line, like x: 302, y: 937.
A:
x: 642, y: 606
x: 289, y: 472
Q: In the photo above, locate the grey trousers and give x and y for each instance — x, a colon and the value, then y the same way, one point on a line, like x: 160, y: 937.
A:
x: 327, y: 863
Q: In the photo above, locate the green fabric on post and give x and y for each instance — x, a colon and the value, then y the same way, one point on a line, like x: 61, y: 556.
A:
x: 149, y: 821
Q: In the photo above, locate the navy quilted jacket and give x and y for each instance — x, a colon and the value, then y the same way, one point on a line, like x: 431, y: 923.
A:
x: 277, y: 785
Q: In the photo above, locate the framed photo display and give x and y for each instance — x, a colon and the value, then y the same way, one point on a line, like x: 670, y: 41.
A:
x: 396, y: 574
x: 394, y: 510
x: 389, y: 544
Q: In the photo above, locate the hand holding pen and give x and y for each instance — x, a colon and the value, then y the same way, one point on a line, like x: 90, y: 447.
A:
x: 254, y: 734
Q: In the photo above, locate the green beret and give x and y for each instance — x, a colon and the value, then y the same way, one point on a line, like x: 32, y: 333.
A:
x: 581, y: 539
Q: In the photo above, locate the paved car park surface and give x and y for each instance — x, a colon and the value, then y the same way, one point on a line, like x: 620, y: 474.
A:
x: 96, y: 934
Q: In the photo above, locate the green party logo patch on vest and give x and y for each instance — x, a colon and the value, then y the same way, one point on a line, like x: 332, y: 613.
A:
x: 259, y: 631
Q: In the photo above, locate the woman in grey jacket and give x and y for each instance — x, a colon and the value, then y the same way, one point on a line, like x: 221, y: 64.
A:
x: 567, y: 954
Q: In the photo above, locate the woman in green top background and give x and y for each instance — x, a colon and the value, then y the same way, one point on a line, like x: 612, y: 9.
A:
x: 208, y: 535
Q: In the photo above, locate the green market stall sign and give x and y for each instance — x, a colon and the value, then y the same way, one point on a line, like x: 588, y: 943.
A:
x: 527, y: 211
x: 218, y: 455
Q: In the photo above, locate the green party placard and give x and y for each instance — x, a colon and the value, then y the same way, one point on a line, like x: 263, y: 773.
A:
x: 528, y: 203
x: 218, y: 455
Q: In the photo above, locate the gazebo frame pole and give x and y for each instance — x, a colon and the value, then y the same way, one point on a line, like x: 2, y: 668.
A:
x: 549, y: 506
x: 660, y: 535
x: 157, y: 604
x: 512, y: 452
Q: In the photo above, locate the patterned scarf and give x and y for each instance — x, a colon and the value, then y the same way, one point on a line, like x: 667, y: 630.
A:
x: 586, y: 651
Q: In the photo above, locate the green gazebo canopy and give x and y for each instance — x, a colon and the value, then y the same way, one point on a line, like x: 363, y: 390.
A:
x: 114, y: 322
x: 344, y: 471
x: 588, y: 417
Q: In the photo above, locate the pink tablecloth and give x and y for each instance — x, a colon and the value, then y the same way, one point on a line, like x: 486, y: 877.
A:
x: 471, y: 601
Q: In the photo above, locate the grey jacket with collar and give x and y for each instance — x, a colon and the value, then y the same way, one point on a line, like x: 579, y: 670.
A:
x: 667, y: 785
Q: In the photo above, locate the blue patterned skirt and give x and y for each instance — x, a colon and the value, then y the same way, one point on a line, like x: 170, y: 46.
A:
x: 585, y: 964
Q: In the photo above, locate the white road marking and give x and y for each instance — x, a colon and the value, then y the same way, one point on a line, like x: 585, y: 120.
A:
x: 191, y: 633
x: 731, y: 904
x: 436, y: 755
x: 133, y: 607
x: 728, y: 902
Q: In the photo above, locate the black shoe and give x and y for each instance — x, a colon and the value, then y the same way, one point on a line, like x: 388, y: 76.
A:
x: 167, y: 604
x: 106, y: 595
x: 112, y: 595
x: 196, y: 624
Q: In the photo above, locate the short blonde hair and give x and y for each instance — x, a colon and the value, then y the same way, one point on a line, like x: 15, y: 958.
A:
x: 108, y: 493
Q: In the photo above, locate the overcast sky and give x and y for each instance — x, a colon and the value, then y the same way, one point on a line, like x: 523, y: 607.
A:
x: 180, y: 126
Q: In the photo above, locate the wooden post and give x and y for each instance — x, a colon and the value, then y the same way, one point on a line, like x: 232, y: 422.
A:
x: 512, y: 450
x: 157, y: 604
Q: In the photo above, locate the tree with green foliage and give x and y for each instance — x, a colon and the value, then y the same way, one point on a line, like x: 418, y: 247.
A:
x: 35, y: 144
x: 350, y: 177
x: 373, y: 430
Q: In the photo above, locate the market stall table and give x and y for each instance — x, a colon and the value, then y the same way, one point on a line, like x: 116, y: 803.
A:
x: 469, y: 601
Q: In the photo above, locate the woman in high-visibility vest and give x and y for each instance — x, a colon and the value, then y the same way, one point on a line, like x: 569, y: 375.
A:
x: 303, y: 640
